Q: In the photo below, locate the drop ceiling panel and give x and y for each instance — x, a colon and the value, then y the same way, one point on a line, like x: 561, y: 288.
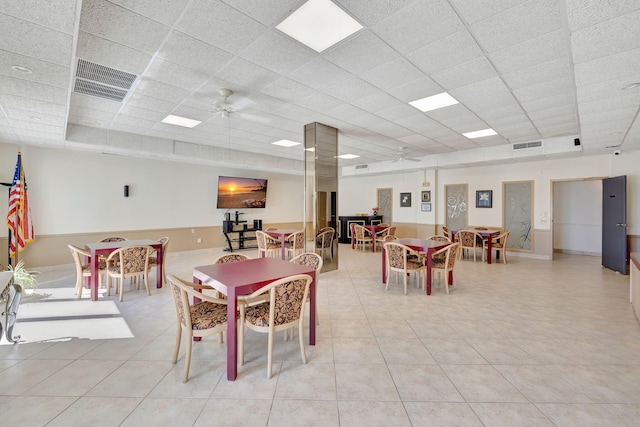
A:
x: 531, y: 52
x: 277, y: 52
x: 445, y: 53
x: 165, y: 11
x: 478, y: 10
x: 189, y: 52
x: 421, y: 24
x: 518, y: 24
x: 476, y: 70
x: 174, y: 74
x: 132, y: 30
x: 320, y: 73
x: 38, y: 41
x: 620, y: 65
x: 354, y: 54
x: 392, y: 73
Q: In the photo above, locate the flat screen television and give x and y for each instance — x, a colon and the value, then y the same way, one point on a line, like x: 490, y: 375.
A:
x: 241, y: 193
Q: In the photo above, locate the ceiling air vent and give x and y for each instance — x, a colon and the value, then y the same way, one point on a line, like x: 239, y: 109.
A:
x: 525, y: 145
x: 103, y: 82
x: 362, y: 166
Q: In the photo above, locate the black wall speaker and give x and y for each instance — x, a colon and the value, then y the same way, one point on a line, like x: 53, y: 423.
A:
x: 576, y: 142
x: 126, y: 191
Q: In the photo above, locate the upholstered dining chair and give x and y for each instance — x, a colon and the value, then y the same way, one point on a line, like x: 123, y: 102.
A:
x: 469, y: 240
x: 113, y: 239
x: 324, y: 242
x: 389, y: 238
x: 315, y: 261
x: 205, y: 318
x: 391, y: 231
x: 268, y: 246
x: 446, y: 232
x: 129, y: 261
x: 499, y: 244
x: 401, y: 259
x: 384, y: 224
x: 84, y: 270
x: 362, y: 236
x: 153, y: 259
x: 439, y: 238
x: 294, y: 244
x: 443, y: 261
x: 233, y: 257
x: 285, y: 309
x: 271, y: 229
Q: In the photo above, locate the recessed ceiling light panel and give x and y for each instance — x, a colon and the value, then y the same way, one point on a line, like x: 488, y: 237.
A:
x: 348, y: 156
x: 480, y: 133
x: 319, y: 24
x: 180, y: 121
x: 434, y: 102
x: 286, y: 143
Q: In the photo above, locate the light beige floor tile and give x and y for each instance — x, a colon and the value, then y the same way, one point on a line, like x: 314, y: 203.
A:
x: 364, y: 414
x: 134, y: 378
x: 33, y: 410
x: 580, y: 414
x: 26, y: 374
x: 303, y: 412
x: 441, y: 414
x: 449, y: 351
x: 598, y: 383
x: 365, y: 382
x: 235, y: 412
x: 424, y: 383
x: 96, y: 411
x: 482, y: 383
x: 510, y: 414
x: 203, y: 378
x: 311, y: 381
x: 356, y: 350
x: 75, y: 379
x: 401, y: 351
x: 500, y: 351
x: 165, y: 412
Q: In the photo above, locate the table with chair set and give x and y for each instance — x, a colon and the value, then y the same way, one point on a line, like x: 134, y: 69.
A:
x: 424, y: 250
x: 118, y: 258
x: 372, y: 234
x: 484, y: 238
x: 245, y: 280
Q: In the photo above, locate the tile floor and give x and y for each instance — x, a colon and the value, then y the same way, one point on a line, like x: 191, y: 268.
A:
x: 528, y: 343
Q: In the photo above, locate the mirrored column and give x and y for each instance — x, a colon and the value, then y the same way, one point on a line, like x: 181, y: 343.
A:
x: 321, y: 192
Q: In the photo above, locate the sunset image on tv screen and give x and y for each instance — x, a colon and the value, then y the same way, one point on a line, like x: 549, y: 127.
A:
x: 239, y: 193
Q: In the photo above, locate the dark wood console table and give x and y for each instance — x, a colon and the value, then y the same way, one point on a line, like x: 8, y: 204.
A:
x: 346, y: 221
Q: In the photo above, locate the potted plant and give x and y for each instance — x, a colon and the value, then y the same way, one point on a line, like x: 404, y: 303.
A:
x: 24, y: 277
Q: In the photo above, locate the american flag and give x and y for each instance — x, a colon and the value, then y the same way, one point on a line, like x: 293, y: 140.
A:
x: 19, y: 215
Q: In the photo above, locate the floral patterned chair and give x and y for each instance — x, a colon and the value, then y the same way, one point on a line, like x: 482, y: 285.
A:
x: 129, y: 261
x: 153, y: 261
x: 84, y: 270
x: 294, y: 244
x: 285, y: 309
x: 324, y: 242
x: 205, y: 318
x: 499, y: 244
x: 315, y: 261
x: 469, y: 240
x: 268, y: 246
x: 401, y: 259
x: 443, y: 261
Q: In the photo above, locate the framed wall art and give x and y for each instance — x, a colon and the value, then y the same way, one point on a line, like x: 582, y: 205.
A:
x: 426, y: 196
x: 484, y: 198
x: 425, y: 207
x: 405, y: 200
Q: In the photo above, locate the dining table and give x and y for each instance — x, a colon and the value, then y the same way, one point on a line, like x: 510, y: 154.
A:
x: 373, y: 229
x: 486, y: 233
x: 423, y: 245
x: 243, y: 278
x: 105, y: 248
x: 281, y: 234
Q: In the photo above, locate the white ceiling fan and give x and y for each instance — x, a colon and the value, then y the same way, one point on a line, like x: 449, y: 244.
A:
x: 228, y: 109
x: 403, y: 155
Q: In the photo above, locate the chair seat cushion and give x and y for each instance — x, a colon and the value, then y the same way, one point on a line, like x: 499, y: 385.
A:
x: 415, y: 264
x: 273, y: 245
x: 86, y: 268
x: 206, y: 315
x: 258, y: 315
x: 437, y: 263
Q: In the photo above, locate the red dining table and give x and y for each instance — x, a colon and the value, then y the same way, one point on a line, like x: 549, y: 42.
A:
x: 486, y: 233
x: 424, y: 245
x: 282, y: 235
x: 105, y: 248
x: 243, y: 278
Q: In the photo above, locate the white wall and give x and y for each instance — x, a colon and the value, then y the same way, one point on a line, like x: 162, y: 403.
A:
x: 577, y: 216
x: 357, y: 193
x: 75, y: 192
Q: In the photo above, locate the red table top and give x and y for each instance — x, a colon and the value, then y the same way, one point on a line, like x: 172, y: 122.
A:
x: 252, y: 273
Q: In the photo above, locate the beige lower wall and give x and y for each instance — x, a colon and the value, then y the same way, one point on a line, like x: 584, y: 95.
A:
x: 53, y: 250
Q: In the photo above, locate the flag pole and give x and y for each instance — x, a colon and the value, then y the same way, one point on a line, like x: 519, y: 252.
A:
x: 8, y: 184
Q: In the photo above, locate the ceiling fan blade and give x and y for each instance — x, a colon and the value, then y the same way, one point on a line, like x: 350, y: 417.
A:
x: 412, y: 159
x: 240, y: 103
